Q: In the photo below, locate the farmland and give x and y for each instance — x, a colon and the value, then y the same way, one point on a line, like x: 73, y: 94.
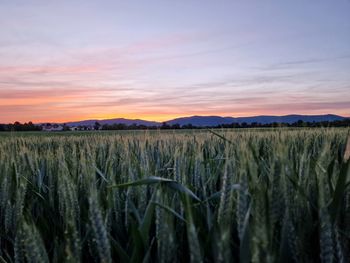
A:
x: 268, y: 195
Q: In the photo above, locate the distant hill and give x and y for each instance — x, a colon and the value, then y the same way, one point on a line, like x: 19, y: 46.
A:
x: 290, y: 118
x: 114, y: 121
x: 202, y: 121
x: 217, y: 120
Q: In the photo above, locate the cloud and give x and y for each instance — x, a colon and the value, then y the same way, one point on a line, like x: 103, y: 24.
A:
x: 231, y: 96
x: 128, y: 81
x: 49, y: 69
x: 311, y: 61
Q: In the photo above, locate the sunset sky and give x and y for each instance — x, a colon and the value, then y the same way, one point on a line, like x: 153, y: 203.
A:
x: 155, y: 60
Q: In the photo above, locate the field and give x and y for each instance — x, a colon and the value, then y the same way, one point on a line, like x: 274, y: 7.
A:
x: 274, y: 195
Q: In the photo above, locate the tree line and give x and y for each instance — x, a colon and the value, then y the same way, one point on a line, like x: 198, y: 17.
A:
x: 165, y: 126
x: 17, y: 126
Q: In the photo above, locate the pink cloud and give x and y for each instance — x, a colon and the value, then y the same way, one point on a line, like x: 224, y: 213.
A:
x: 49, y: 69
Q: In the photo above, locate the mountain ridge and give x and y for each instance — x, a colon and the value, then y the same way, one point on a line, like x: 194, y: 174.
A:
x: 197, y: 120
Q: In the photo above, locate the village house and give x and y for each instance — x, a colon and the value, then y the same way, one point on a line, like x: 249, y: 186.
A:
x: 52, y: 127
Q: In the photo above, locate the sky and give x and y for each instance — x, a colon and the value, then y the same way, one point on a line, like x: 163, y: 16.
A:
x: 71, y: 60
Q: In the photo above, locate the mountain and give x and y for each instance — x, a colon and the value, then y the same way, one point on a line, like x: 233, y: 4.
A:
x: 114, y: 121
x: 202, y: 120
x: 215, y: 120
x: 290, y: 118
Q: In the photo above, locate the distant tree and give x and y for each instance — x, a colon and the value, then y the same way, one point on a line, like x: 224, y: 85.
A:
x: 254, y: 124
x: 165, y: 126
x: 133, y: 126
x: 65, y: 127
x: 176, y: 126
x: 301, y: 123
x: 121, y: 126
x: 97, y: 126
x: 188, y: 126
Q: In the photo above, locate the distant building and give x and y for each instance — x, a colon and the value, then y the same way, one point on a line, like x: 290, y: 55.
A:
x: 52, y: 127
x: 62, y: 127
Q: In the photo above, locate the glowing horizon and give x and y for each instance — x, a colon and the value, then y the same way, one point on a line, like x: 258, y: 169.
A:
x: 160, y: 118
x: 71, y: 61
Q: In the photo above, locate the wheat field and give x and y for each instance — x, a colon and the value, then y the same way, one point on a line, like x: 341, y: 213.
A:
x: 268, y: 195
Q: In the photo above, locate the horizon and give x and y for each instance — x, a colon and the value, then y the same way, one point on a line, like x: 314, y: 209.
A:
x: 156, y: 61
x: 179, y: 117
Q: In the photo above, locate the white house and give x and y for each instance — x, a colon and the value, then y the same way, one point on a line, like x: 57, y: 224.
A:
x: 52, y: 127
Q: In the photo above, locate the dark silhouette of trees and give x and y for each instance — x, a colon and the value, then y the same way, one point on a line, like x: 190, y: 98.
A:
x: 97, y: 126
x: 165, y: 126
x: 65, y: 127
x: 17, y: 126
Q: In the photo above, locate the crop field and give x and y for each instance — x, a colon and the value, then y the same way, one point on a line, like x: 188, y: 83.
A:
x: 274, y: 195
